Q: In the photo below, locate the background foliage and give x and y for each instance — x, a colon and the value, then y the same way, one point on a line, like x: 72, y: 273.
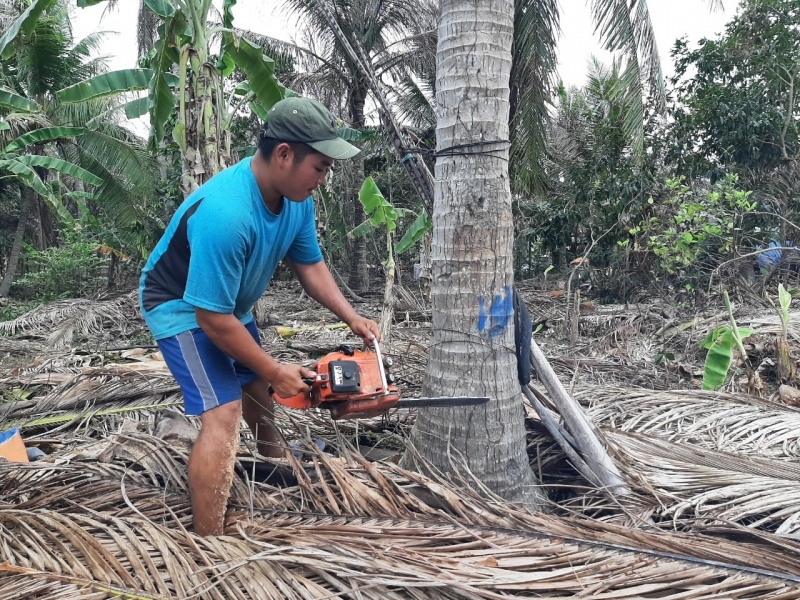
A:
x: 657, y: 185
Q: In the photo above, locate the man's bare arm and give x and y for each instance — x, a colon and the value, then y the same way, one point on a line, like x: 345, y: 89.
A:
x: 230, y: 336
x: 318, y: 283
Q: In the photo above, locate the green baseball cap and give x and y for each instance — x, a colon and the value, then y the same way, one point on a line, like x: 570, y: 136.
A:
x: 305, y: 120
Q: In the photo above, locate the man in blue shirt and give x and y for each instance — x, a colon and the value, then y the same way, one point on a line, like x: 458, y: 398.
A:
x: 213, y: 263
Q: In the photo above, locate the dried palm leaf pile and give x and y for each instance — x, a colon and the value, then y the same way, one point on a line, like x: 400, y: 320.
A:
x: 714, y: 510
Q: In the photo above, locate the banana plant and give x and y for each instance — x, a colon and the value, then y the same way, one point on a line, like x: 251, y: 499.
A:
x: 379, y: 212
x: 720, y: 344
x: 204, y: 110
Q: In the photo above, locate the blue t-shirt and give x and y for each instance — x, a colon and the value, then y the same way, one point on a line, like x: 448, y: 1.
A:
x: 220, y: 251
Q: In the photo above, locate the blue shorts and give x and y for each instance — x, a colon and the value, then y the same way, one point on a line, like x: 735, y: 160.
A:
x: 208, y: 377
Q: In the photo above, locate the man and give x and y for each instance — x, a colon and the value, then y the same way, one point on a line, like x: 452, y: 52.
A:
x: 213, y: 263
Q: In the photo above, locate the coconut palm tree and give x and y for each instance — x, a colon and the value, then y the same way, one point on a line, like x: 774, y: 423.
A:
x: 42, y: 138
x: 473, y: 341
x: 472, y: 351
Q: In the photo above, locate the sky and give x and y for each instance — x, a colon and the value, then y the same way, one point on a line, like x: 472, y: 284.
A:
x: 671, y: 19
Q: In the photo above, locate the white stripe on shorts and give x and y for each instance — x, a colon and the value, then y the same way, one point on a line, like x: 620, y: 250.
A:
x: 197, y: 370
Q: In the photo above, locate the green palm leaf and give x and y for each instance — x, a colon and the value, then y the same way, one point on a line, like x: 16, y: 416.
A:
x: 62, y: 166
x: 39, y: 136
x: 25, y: 24
x: 127, y: 171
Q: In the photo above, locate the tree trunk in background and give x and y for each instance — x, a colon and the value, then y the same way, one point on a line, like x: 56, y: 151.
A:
x: 19, y: 235
x: 45, y: 227
x: 472, y: 351
x: 358, y: 278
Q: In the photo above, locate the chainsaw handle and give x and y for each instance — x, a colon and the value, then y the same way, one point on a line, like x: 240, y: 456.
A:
x: 301, y: 401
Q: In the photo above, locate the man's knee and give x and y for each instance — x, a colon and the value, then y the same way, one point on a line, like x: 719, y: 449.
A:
x: 223, y: 419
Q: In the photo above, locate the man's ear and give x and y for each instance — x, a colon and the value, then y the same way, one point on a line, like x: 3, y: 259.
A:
x: 283, y: 152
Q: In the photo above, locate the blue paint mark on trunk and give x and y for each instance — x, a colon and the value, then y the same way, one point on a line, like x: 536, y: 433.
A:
x: 500, y: 313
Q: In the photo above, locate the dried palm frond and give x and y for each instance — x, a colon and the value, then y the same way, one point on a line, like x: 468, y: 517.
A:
x: 59, y: 321
x: 613, y: 373
x: 713, y: 420
x: 110, y: 389
x: 699, y: 487
x: 771, y: 324
x: 21, y: 347
x: 80, y: 528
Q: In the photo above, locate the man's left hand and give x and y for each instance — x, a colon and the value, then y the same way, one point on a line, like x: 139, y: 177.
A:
x: 366, y: 329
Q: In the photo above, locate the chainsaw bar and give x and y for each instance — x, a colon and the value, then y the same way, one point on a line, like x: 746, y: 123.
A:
x: 440, y: 401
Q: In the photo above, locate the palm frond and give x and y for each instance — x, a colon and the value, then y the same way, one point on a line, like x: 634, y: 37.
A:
x: 120, y: 527
x: 59, y: 321
x: 534, y: 61
x: 711, y: 420
x: 627, y: 28
x: 413, y: 103
x: 127, y: 170
x: 701, y: 488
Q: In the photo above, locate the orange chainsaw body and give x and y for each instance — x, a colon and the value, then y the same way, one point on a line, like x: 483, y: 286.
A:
x: 352, y: 384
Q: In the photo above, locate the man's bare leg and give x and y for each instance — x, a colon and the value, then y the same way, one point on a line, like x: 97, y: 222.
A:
x: 259, y: 413
x: 211, y: 466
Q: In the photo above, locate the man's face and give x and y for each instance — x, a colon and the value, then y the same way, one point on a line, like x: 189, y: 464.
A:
x: 307, y: 175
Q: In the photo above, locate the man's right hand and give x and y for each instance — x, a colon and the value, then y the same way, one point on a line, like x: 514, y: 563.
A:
x: 288, y: 380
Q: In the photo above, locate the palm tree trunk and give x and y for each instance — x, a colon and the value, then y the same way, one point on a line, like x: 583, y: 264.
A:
x: 472, y: 351
x: 358, y: 279
x: 16, y: 248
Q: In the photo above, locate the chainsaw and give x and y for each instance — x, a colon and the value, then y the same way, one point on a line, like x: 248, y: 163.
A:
x: 354, y: 384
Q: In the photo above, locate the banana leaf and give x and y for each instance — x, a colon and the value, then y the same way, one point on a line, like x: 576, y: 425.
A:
x: 9, y: 99
x: 720, y: 344
x: 258, y: 67
x: 162, y: 100
x: 162, y: 8
x: 378, y: 209
x: 137, y: 108
x: 25, y: 174
x: 108, y: 84
x: 28, y: 176
x: 39, y: 136
x: 62, y: 166
x: 24, y: 23
x: 415, y: 232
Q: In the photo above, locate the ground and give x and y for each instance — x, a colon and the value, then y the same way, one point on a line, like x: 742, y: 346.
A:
x: 86, y: 385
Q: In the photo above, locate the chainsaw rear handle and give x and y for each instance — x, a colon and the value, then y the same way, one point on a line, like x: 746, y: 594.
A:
x: 300, y: 401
